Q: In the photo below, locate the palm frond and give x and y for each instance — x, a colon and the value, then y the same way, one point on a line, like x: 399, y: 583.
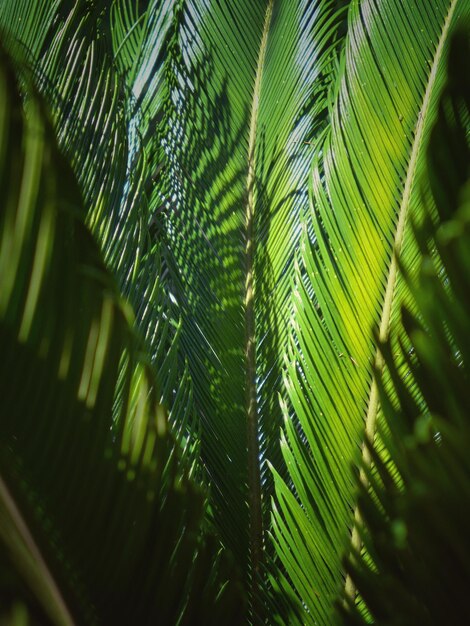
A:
x: 191, y: 126
x: 212, y: 109
x: 417, y: 512
x: 96, y: 511
x: 365, y: 186
x: 92, y: 72
x: 247, y: 91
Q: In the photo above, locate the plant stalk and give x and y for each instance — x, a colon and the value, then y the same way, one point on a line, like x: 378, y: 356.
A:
x: 254, y: 477
x: 28, y: 559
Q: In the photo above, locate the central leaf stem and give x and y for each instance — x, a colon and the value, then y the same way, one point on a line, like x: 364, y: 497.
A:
x: 254, y: 479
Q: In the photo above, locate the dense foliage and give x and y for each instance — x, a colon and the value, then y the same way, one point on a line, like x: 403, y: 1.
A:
x: 203, y: 208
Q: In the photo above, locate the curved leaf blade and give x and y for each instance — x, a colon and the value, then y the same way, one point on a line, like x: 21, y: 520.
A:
x: 365, y: 187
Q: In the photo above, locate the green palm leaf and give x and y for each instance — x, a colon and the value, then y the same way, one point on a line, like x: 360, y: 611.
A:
x: 218, y: 108
x: 190, y: 126
x: 365, y: 186
x: 82, y: 67
x: 79, y: 409
x: 248, y: 84
x: 416, y: 515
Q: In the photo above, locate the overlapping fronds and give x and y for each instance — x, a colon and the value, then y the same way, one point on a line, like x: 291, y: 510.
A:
x: 190, y: 127
x: 416, y: 512
x: 99, y: 66
x: 95, y: 511
x: 365, y: 187
x: 192, y: 143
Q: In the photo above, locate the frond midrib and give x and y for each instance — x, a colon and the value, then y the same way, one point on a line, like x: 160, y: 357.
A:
x: 254, y: 479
